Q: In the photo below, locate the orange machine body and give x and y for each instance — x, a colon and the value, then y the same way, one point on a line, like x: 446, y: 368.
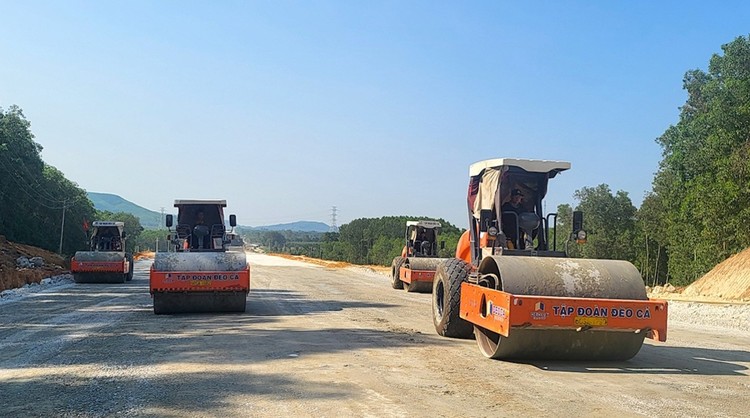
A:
x: 121, y: 266
x: 199, y: 281
x: 408, y: 275
x: 500, y: 312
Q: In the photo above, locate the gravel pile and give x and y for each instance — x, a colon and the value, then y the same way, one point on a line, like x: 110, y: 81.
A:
x: 50, y: 282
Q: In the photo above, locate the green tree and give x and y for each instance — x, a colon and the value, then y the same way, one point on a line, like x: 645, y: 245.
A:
x: 34, y: 195
x: 146, y: 240
x: 609, y: 221
x: 274, y: 240
x: 384, y: 249
x: 703, y: 182
x: 388, y: 233
x: 563, y: 229
x: 651, y: 240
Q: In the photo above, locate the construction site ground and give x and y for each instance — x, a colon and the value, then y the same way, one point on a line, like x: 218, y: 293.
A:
x: 336, y: 341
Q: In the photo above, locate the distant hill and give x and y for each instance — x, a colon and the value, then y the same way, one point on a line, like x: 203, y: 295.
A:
x: 302, y: 226
x: 113, y: 203
x: 152, y: 220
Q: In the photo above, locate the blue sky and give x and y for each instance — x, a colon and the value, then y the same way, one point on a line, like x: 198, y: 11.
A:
x: 288, y: 108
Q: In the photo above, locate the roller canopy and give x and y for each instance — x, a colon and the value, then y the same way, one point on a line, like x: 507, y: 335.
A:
x: 490, y: 176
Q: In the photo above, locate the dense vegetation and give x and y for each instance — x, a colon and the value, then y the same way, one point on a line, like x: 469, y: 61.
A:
x: 362, y: 241
x: 34, y: 195
x: 698, y: 212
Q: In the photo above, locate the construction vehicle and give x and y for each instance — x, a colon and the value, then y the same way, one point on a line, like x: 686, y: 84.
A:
x: 520, y: 296
x: 415, y: 268
x: 106, y: 260
x: 235, y: 241
x: 199, y: 273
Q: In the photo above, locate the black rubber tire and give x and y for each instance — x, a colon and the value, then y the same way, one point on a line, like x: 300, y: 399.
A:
x: 396, y: 264
x: 129, y: 276
x: 446, y: 299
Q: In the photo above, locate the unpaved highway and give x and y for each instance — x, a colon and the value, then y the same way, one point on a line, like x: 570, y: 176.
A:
x: 328, y: 342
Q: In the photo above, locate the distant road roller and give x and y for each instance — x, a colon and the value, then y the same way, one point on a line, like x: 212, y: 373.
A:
x: 415, y: 268
x: 521, y: 297
x: 199, y: 273
x: 106, y: 260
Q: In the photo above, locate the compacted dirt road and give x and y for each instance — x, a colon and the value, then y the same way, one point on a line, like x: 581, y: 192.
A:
x: 331, y: 342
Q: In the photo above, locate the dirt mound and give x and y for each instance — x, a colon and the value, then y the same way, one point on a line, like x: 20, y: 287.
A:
x: 729, y: 280
x: 12, y: 277
x: 143, y: 255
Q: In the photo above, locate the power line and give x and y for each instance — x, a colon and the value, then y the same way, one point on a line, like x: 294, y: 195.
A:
x: 55, y: 205
x: 18, y: 161
x: 16, y: 179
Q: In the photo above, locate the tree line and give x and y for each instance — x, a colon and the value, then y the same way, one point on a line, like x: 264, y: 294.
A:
x: 362, y: 241
x: 35, y: 196
x: 698, y: 211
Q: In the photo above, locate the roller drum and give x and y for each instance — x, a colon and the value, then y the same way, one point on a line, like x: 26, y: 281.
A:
x: 559, y: 344
x: 563, y: 277
x: 99, y: 276
x: 416, y: 263
x: 204, y: 261
x: 566, y: 277
x: 420, y: 263
x: 100, y: 256
x: 199, y: 302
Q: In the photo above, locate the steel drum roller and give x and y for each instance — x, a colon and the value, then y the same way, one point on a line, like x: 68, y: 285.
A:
x: 564, y: 277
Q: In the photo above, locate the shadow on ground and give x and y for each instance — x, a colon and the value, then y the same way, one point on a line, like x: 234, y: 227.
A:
x: 663, y: 360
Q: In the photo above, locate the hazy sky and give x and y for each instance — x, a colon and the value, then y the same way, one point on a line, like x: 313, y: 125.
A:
x: 288, y: 108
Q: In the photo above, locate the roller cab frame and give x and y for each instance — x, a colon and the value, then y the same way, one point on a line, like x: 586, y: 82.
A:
x: 522, y: 296
x: 199, y: 274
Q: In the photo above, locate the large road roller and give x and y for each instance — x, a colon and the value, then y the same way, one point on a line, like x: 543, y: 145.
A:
x: 522, y: 298
x: 199, y: 273
x: 414, y: 269
x: 106, y: 260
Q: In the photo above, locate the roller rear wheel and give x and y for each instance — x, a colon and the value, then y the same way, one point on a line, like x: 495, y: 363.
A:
x: 396, y: 282
x: 446, y: 299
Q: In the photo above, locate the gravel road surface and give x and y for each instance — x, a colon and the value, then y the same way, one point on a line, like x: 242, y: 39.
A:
x: 323, y: 342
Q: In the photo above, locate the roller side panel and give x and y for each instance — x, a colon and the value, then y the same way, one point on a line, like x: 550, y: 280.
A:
x: 510, y: 326
x: 500, y: 312
x: 199, y: 281
x: 408, y: 275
